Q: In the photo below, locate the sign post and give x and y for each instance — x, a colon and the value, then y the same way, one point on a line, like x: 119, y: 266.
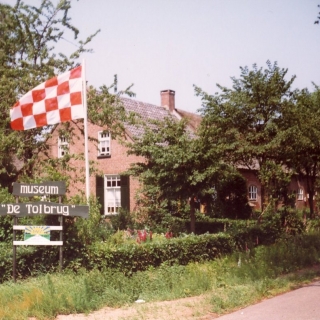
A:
x: 40, y: 235
x: 61, y: 239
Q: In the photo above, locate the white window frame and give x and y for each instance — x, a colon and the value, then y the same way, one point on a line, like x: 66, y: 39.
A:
x: 253, y: 193
x: 63, y: 146
x: 104, y: 143
x: 112, y: 195
x: 300, y: 194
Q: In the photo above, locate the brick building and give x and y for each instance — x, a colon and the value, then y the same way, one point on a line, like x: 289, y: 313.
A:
x: 111, y: 160
x: 297, y: 186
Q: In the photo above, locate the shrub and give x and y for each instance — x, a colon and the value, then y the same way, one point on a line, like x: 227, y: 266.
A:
x: 134, y: 257
x: 122, y: 221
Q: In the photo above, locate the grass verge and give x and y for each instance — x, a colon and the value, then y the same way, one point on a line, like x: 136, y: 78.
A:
x: 229, y: 282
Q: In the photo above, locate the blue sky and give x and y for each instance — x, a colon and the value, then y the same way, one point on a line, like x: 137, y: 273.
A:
x: 174, y: 44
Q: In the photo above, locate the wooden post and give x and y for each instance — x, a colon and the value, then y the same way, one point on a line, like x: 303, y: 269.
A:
x: 42, y: 207
x: 61, y: 239
x: 15, y: 222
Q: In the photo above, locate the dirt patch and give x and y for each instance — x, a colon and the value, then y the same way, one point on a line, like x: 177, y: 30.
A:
x: 195, y: 308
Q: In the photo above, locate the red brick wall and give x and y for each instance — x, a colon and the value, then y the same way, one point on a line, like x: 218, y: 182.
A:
x: 120, y: 161
x: 252, y: 179
x: 116, y: 164
x: 294, y: 185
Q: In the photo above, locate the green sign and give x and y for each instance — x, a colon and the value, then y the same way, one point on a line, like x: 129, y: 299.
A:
x: 46, y: 188
x: 42, y: 207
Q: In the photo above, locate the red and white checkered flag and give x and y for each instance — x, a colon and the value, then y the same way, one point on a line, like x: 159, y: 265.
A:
x: 56, y: 100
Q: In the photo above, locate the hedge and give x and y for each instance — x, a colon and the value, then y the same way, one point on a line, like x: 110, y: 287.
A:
x: 132, y: 258
x: 127, y: 259
x: 204, y: 224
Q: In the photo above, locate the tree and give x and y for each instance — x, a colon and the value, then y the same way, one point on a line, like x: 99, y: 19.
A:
x: 299, y: 138
x: 28, y: 56
x: 241, y: 123
x: 231, y: 199
x: 175, y: 167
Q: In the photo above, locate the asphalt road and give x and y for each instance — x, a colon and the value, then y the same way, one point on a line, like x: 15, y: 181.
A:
x: 300, y: 304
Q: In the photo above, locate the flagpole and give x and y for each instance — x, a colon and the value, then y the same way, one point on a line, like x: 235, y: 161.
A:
x: 85, y: 121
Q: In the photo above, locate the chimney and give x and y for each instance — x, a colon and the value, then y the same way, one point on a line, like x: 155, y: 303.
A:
x: 167, y: 99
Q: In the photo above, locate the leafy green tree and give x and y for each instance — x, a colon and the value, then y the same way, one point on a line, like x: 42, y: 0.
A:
x: 240, y: 123
x: 276, y: 177
x: 299, y: 139
x: 230, y: 200
x: 28, y: 56
x: 175, y: 168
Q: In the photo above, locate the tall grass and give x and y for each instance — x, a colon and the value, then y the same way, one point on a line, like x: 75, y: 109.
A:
x: 251, y: 276
x: 230, y: 282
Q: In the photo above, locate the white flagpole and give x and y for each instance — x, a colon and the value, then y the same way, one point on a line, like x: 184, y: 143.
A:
x: 85, y: 121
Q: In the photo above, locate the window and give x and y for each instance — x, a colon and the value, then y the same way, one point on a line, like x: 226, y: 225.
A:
x: 63, y: 146
x: 103, y: 144
x: 253, y: 192
x: 113, y: 194
x: 300, y: 194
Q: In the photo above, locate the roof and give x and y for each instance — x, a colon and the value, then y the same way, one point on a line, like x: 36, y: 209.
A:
x: 147, y: 112
x: 193, y: 118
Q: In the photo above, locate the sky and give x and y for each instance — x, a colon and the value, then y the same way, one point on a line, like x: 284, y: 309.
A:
x: 176, y: 44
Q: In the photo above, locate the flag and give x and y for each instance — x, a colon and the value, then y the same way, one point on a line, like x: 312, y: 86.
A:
x: 56, y: 100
